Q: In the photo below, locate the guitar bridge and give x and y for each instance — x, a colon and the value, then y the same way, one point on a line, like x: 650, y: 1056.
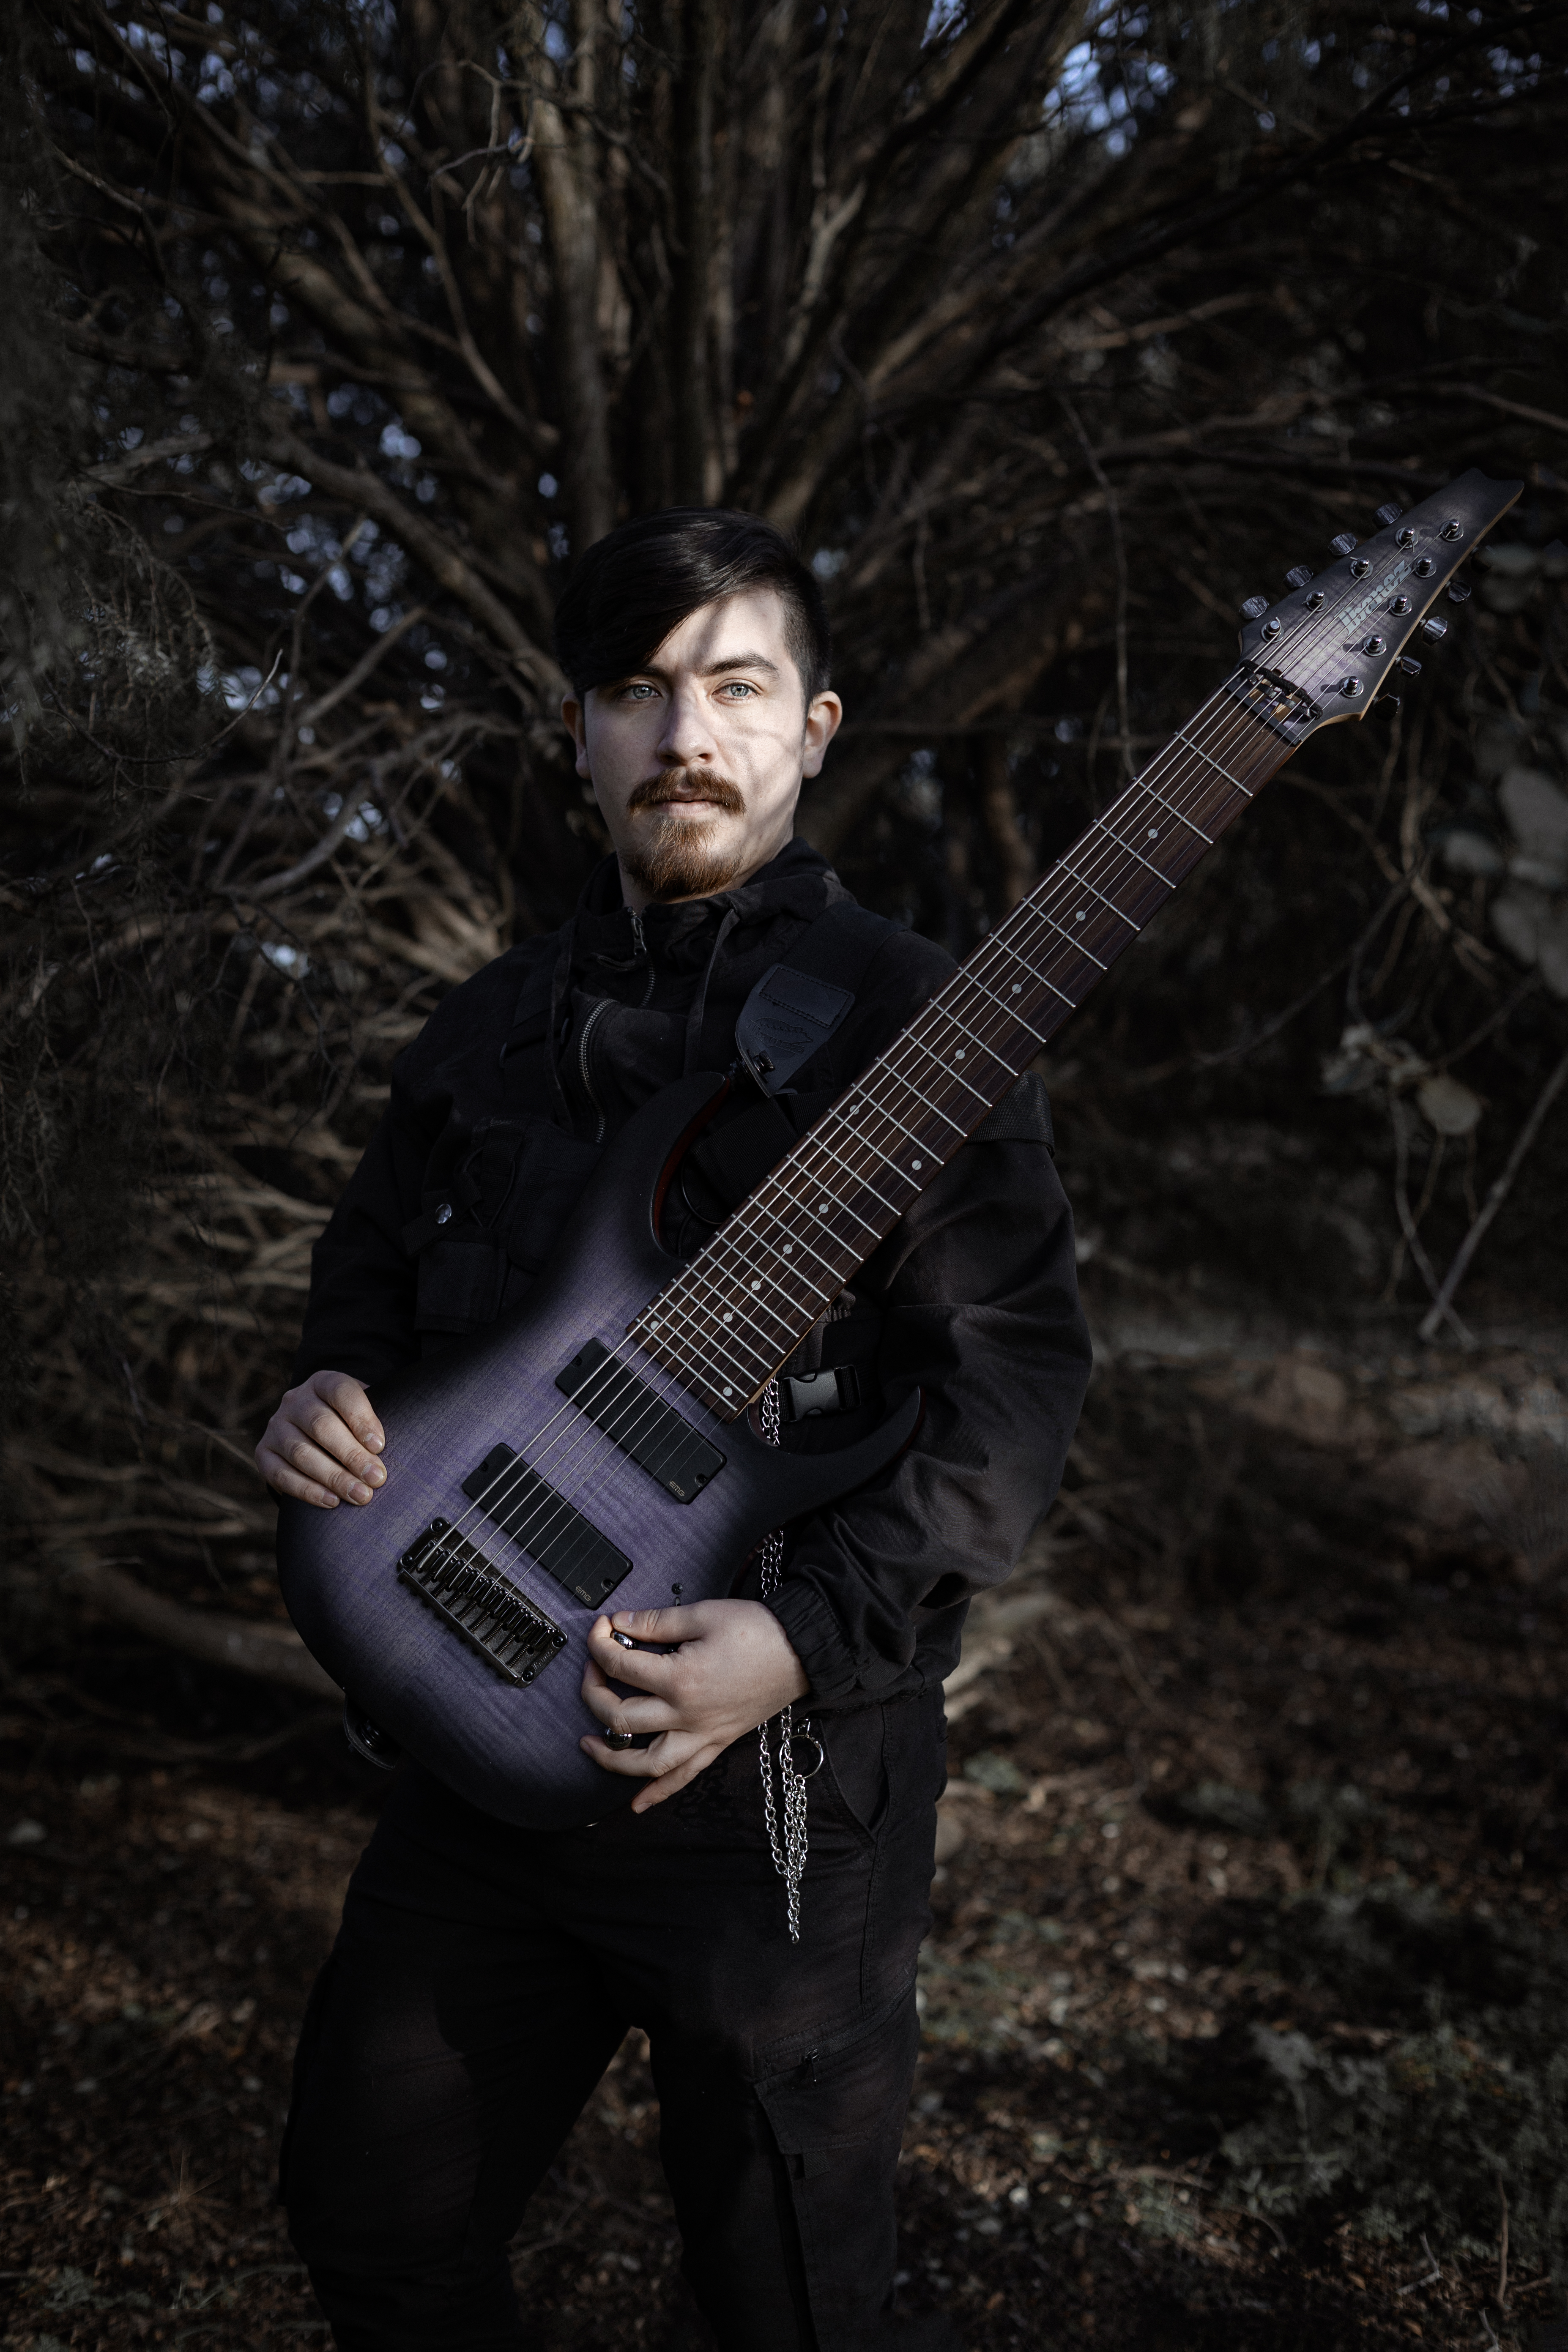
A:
x: 482, y: 1607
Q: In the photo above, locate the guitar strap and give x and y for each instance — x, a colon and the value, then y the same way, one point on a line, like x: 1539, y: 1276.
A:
x: 799, y: 1001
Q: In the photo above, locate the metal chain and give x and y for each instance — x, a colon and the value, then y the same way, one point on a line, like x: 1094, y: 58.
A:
x: 789, y: 1852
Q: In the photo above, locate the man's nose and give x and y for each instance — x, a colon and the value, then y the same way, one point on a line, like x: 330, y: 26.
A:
x: 687, y: 737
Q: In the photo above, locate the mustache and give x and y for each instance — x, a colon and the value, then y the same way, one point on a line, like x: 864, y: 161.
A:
x: 688, y: 784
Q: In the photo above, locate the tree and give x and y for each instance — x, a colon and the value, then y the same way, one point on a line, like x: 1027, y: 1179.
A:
x: 340, y: 327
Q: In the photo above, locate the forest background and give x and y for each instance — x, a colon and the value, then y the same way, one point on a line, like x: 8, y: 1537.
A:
x: 1052, y: 332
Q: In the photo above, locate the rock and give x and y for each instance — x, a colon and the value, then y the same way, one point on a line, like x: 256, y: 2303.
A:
x: 1537, y: 813
x: 1446, y: 1106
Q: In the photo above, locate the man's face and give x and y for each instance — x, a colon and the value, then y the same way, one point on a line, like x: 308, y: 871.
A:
x: 697, y: 760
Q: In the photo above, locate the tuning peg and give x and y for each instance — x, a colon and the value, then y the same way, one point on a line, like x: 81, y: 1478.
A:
x: 1300, y: 575
x: 1458, y: 591
x: 1344, y: 542
x: 1409, y: 665
x: 1389, y: 514
x: 1255, y: 608
x: 1388, y: 702
x: 1452, y: 529
x: 1435, y: 628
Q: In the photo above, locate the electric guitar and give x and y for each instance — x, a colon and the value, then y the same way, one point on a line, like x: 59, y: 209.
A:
x: 600, y: 1448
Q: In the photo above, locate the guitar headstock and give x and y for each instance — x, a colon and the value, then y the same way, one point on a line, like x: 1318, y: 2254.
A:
x: 1328, y: 649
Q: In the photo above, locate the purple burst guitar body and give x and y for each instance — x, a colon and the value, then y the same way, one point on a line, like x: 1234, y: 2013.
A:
x: 598, y: 1449
x: 501, y: 1721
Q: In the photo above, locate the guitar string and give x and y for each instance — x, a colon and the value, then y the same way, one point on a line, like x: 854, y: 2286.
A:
x: 1111, y: 851
x: 1107, y: 852
x: 508, y: 1482
x: 1320, y: 625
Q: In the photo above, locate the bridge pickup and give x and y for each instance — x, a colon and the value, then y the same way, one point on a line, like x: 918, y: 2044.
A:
x: 640, y: 1423
x: 544, y: 1525
x: 482, y: 1607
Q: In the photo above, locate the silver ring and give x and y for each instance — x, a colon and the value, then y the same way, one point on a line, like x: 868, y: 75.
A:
x: 809, y: 1772
x: 617, y: 1738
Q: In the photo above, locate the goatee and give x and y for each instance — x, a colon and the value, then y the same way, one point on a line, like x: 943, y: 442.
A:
x: 677, y: 858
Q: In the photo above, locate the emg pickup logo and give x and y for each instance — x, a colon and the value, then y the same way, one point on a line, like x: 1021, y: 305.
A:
x: 1354, y: 615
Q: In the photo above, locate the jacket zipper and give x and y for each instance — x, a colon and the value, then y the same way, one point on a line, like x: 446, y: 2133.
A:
x: 582, y: 1043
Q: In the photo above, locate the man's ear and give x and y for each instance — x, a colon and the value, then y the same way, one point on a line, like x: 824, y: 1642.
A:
x: 574, y: 718
x: 822, y: 718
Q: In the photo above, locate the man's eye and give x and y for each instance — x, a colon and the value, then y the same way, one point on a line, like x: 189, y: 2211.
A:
x: 738, y: 687
x: 637, y: 690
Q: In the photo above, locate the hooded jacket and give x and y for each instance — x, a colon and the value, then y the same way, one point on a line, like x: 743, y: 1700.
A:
x: 500, y: 1108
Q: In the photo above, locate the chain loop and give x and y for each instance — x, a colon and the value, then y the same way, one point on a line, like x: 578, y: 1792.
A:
x: 788, y: 1849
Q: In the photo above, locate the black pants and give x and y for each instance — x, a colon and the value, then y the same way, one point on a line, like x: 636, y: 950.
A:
x: 484, y: 1976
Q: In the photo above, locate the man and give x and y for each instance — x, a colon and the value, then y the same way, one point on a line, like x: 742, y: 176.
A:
x: 485, y: 1975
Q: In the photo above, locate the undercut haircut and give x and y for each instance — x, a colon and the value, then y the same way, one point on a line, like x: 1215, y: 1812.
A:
x: 632, y: 587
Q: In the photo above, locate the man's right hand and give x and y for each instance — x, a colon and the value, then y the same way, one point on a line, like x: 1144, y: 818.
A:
x: 321, y: 1444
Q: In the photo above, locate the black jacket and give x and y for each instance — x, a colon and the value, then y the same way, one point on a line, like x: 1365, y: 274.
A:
x: 500, y: 1107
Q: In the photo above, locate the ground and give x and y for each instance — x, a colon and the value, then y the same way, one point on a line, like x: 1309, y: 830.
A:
x: 1243, y: 2001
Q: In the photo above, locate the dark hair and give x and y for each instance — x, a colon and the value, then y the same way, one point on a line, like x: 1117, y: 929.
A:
x: 632, y: 587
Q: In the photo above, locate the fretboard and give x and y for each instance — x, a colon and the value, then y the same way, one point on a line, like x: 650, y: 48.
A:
x: 743, y: 1304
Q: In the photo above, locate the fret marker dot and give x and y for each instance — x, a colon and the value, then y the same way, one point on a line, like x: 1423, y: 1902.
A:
x: 756, y: 1285
x: 917, y: 1163
x: 728, y: 1318
x: 728, y: 1390
x: 1018, y: 988
x: 788, y: 1247
x: 1080, y: 914
x: 1154, y: 833
x: 959, y: 1056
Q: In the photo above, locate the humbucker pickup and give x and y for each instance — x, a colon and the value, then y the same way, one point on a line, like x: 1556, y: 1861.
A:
x: 484, y: 1608
x: 639, y: 1423
x: 544, y: 1525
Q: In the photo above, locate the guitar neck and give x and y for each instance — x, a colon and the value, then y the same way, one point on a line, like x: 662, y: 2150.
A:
x: 741, y: 1307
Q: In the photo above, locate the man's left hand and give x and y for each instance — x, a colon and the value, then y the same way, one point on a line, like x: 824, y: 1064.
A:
x: 733, y: 1669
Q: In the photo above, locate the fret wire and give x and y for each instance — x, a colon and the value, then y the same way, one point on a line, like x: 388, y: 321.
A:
x: 867, y: 1107
x: 721, y: 1334
x: 1163, y: 879
x: 709, y: 1368
x: 1024, y: 965
x: 693, y: 1301
x: 933, y: 1107
x: 1085, y: 883
x: 865, y: 1184
x: 707, y: 1283
x: 1040, y: 1036
x: 1076, y: 945
x: 1006, y: 1010
x: 743, y: 1223
x: 973, y: 1039
x: 883, y: 1112
x: 1207, y: 839
x: 1180, y: 738
x: 821, y: 1185
x: 684, y: 1300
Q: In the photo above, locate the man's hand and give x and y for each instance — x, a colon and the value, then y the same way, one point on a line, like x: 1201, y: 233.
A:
x: 734, y: 1669
x: 321, y: 1444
